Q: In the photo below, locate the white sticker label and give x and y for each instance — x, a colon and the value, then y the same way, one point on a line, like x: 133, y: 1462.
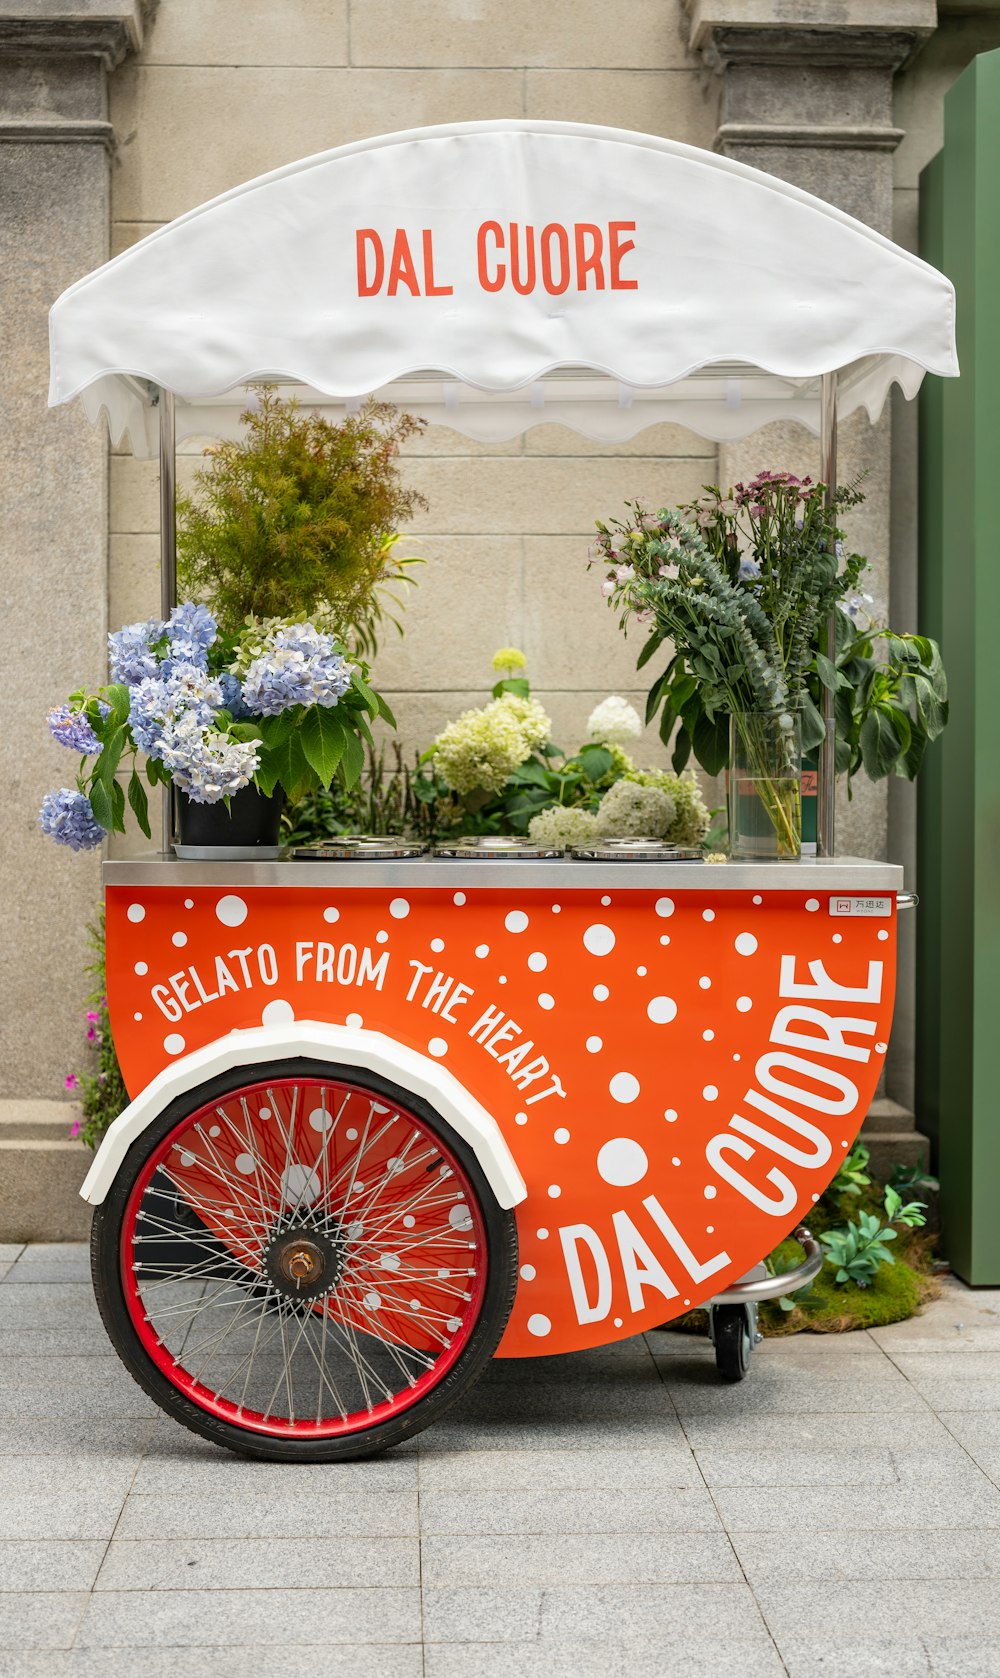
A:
x: 861, y: 906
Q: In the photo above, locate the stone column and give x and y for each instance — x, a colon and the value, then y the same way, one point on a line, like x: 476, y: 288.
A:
x: 807, y: 95
x: 55, y: 149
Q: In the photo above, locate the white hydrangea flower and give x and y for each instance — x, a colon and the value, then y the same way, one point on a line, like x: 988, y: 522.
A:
x: 480, y: 750
x: 631, y: 811
x: 614, y: 721
x: 559, y: 827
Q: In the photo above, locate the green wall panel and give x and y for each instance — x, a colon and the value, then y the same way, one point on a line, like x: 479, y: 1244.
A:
x: 960, y: 577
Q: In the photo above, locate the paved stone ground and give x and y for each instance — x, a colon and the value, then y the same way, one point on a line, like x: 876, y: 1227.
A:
x: 615, y: 1513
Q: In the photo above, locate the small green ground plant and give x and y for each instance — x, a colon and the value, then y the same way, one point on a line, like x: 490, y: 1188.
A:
x: 879, y: 1261
x: 99, y: 1087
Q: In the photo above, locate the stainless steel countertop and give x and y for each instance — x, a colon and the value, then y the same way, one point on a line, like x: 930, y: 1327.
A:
x: 559, y: 874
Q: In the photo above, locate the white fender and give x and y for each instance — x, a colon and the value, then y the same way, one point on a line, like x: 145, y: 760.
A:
x: 313, y: 1040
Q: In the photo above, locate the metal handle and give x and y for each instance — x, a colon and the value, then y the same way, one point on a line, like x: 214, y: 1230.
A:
x: 776, y: 1287
x: 906, y: 900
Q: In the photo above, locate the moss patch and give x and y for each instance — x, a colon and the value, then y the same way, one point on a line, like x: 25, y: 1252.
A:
x: 898, y: 1290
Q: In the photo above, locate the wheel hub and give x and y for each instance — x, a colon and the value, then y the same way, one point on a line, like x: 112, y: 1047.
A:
x: 303, y: 1263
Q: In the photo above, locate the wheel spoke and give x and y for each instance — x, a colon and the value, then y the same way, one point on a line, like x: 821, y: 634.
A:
x: 294, y: 1260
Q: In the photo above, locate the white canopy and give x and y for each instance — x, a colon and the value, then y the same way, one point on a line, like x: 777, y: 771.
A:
x: 493, y: 276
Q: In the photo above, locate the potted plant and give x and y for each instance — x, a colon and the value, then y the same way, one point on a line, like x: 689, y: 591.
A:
x: 742, y: 586
x: 279, y: 708
x: 299, y: 516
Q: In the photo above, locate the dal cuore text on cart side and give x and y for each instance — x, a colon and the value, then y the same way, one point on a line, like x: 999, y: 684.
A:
x: 801, y: 1024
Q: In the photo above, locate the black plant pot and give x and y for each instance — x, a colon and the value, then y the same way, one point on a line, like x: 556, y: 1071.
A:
x: 252, y: 820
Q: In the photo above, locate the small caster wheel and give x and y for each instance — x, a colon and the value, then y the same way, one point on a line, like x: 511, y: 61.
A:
x: 734, y: 1335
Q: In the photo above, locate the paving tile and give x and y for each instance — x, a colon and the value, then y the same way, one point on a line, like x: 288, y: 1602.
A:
x: 580, y: 1612
x: 962, y: 1365
x: 348, y: 1660
x: 667, y: 1510
x: 40, y: 1619
x: 70, y: 1388
x: 912, y: 1430
x: 208, y: 1473
x: 60, y: 1437
x: 67, y: 1476
x: 596, y: 1400
x: 59, y: 1261
x: 578, y: 1559
x: 552, y: 1433
x: 309, y: 1515
x: 202, y: 1564
x: 972, y: 1393
x: 207, y: 1619
x: 669, y: 1655
x: 963, y: 1657
x: 87, y: 1513
x: 584, y: 1470
x: 774, y: 1558
x: 823, y: 1465
x: 10, y: 1250
x: 35, y: 1663
x: 956, y: 1608
x: 768, y: 1393
x: 765, y: 1509
x: 54, y: 1564
x: 901, y: 1656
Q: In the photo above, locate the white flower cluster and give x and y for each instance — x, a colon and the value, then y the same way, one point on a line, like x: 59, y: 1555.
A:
x: 559, y: 827
x: 631, y: 811
x: 480, y: 750
x: 614, y: 721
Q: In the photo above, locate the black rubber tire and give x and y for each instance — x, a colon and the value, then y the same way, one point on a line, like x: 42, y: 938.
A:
x: 733, y: 1341
x: 498, y: 1299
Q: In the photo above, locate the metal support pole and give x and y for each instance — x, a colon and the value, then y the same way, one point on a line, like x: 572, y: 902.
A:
x: 168, y: 553
x: 827, y: 785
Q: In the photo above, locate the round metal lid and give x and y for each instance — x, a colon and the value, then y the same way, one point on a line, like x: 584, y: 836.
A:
x: 357, y: 847
x: 486, y: 845
x: 634, y: 850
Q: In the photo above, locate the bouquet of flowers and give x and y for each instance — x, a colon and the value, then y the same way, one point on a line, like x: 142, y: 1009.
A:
x: 741, y: 587
x: 502, y: 764
x: 281, y: 702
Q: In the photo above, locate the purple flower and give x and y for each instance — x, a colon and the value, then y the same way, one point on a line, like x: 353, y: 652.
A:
x: 301, y: 666
x: 71, y: 1081
x: 75, y: 1128
x: 72, y: 729
x: 66, y: 816
x: 130, y: 651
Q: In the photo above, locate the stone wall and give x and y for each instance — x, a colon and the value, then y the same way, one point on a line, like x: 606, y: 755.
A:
x: 211, y: 102
x: 106, y: 133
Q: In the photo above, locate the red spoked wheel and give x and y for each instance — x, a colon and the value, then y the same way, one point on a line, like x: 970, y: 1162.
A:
x: 309, y: 1264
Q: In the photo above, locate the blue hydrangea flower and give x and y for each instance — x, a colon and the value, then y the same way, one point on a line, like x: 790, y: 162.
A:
x: 158, y: 701
x: 193, y: 625
x: 232, y: 697
x: 749, y: 570
x: 66, y: 816
x: 204, y: 763
x: 72, y: 729
x: 300, y: 667
x: 130, y: 652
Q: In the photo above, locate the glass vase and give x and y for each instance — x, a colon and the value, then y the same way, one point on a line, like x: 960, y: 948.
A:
x: 765, y: 799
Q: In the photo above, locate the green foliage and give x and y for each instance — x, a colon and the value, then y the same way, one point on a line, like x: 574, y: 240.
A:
x: 300, y: 514
x: 890, y: 697
x: 741, y: 587
x: 859, y: 1247
x: 852, y: 1176
x: 396, y: 798
x: 100, y: 1088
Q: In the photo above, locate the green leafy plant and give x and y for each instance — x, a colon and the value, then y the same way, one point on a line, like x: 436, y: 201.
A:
x: 890, y: 696
x: 742, y: 586
x: 852, y: 1175
x: 861, y: 1246
x: 300, y: 515
x: 100, y: 1088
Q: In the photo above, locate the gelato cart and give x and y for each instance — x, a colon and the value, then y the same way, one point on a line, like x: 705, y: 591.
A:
x: 394, y: 1113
